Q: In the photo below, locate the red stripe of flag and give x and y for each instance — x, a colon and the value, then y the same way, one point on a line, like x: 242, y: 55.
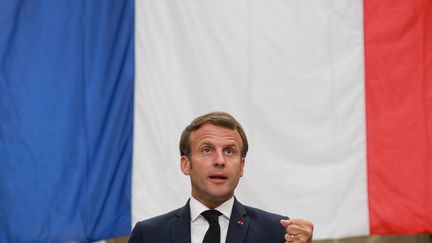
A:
x: 398, y: 72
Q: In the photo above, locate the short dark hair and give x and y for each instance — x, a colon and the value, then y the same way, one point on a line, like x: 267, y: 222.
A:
x: 217, y: 118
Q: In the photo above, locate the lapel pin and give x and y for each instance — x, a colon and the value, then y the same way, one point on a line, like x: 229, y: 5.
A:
x: 240, y: 222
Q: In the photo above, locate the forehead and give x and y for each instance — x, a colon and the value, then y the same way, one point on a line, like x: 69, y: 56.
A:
x: 215, y: 134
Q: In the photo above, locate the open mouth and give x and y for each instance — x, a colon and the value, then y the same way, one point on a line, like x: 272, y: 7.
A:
x: 218, y: 178
x: 222, y: 177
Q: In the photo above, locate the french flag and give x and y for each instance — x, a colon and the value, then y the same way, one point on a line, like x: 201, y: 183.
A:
x: 335, y: 97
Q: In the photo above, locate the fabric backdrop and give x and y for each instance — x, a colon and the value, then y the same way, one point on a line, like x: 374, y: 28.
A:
x: 66, y: 113
x: 335, y: 97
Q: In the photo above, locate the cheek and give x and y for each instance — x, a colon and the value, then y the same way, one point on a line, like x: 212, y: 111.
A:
x: 197, y: 170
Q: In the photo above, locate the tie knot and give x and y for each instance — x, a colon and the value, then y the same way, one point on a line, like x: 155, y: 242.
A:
x: 211, y: 215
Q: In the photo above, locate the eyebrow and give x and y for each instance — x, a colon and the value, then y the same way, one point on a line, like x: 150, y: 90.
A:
x: 230, y: 145
x: 206, y: 143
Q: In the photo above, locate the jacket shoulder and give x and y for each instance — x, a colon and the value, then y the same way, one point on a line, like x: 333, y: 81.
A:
x: 264, y: 226
x: 159, y: 220
x: 157, y: 227
x: 262, y: 214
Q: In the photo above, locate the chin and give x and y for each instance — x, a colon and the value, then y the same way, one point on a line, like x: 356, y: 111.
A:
x: 221, y: 197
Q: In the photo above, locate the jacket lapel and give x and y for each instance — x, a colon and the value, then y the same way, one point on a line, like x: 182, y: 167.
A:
x: 180, y: 227
x: 238, y: 224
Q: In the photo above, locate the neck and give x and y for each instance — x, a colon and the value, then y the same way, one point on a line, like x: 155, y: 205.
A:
x: 211, y: 204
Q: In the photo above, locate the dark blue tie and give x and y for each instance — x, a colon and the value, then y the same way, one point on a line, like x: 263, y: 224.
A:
x: 213, y: 233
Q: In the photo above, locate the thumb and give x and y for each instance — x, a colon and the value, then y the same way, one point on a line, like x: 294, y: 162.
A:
x: 285, y: 222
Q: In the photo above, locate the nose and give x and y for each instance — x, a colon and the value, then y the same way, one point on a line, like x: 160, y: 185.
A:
x: 219, y: 160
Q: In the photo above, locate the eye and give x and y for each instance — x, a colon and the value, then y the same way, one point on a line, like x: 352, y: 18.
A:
x: 230, y: 151
x: 207, y: 151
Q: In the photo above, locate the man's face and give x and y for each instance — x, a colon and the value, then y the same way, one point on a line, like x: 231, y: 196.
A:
x: 215, y: 164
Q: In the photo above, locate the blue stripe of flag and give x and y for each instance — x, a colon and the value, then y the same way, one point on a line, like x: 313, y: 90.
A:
x: 66, y: 113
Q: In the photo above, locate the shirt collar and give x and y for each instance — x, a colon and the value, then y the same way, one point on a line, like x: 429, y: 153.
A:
x: 196, y: 208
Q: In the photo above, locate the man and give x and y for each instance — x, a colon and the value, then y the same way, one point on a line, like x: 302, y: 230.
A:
x: 213, y: 150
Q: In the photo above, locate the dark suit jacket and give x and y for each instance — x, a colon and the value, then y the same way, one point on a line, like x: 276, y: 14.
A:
x: 247, y: 224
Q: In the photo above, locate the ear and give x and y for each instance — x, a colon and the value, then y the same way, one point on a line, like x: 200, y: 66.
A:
x: 185, y: 165
x: 242, y: 163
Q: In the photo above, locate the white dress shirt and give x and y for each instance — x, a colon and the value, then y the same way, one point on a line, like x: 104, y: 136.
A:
x: 199, y: 224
